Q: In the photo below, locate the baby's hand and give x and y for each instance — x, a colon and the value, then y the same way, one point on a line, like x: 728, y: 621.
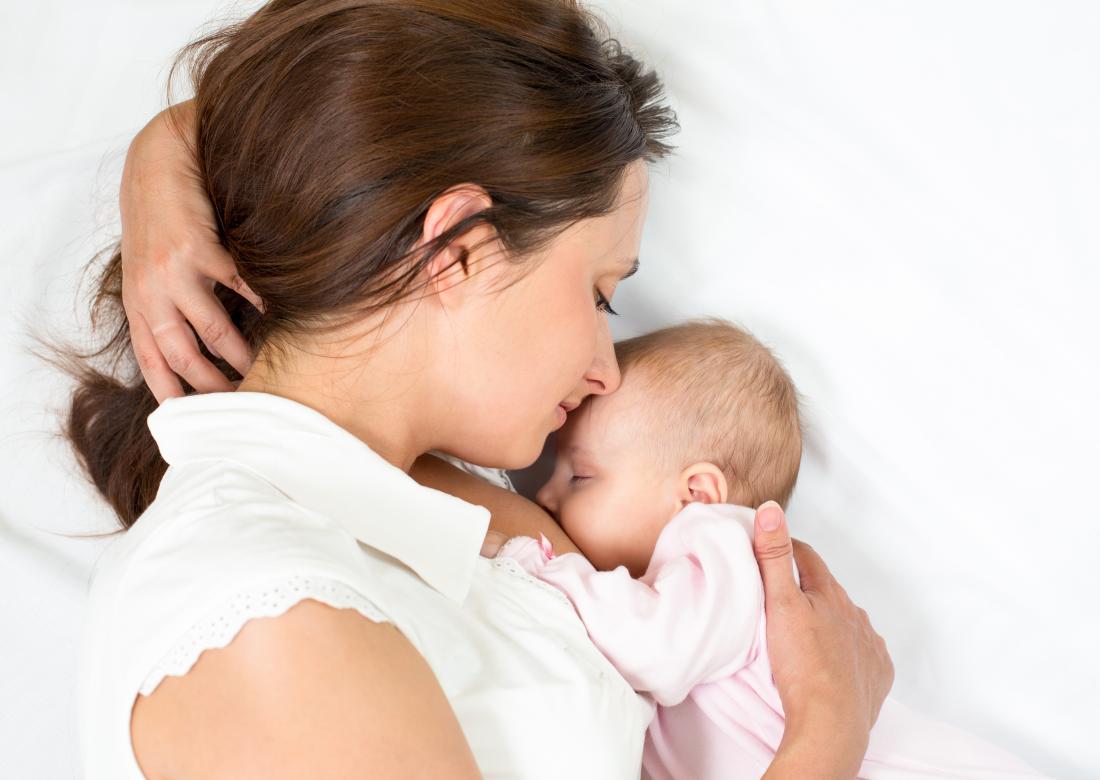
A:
x: 492, y: 543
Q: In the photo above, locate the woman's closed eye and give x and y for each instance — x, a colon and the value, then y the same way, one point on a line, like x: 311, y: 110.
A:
x: 576, y: 478
x: 604, y: 305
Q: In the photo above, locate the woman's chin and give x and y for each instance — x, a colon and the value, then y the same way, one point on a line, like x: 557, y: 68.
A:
x: 529, y: 456
x: 530, y: 453
x: 519, y: 450
x: 510, y: 458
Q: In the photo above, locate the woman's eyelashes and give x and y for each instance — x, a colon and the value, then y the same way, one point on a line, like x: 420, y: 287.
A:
x: 604, y: 305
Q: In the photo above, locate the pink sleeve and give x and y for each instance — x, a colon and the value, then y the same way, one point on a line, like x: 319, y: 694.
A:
x: 692, y: 618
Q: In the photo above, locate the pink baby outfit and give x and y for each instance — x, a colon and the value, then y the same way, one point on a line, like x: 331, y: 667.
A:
x: 691, y: 634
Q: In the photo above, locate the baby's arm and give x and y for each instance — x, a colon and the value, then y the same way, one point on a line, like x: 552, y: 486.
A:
x: 692, y: 618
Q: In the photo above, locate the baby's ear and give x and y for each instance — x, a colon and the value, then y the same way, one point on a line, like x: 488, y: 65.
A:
x: 704, y: 483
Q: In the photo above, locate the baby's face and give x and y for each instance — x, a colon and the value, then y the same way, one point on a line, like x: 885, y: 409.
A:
x: 607, y: 491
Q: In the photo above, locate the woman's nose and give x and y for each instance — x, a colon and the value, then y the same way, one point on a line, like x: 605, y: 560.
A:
x: 603, y: 376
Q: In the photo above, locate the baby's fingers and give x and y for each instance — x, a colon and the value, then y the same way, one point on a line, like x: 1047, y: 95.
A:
x: 492, y: 544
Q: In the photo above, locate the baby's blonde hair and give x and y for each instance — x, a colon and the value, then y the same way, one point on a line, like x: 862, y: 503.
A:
x: 714, y: 393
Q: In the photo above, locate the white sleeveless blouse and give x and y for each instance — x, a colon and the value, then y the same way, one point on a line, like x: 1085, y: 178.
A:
x: 267, y: 502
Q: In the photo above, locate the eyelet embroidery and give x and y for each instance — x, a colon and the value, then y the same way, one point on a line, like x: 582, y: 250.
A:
x: 509, y: 565
x: 268, y: 600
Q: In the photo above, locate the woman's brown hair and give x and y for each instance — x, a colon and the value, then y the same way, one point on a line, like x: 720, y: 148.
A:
x: 325, y: 129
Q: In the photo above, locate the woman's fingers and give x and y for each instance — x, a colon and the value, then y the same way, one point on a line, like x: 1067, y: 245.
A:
x: 212, y: 324
x: 171, y: 257
x: 220, y: 266
x: 772, y: 546
x: 180, y: 350
x: 812, y: 571
x: 154, y: 368
x: 166, y: 349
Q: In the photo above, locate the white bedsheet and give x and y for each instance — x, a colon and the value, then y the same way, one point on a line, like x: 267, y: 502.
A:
x: 901, y: 198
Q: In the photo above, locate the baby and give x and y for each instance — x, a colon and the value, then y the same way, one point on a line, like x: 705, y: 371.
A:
x: 654, y: 484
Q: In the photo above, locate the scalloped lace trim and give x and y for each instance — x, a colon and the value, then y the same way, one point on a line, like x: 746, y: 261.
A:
x: 268, y: 600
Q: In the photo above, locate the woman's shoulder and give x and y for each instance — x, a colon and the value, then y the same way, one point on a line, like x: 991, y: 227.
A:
x: 218, y: 553
x: 215, y: 526
x: 216, y: 549
x: 366, y: 691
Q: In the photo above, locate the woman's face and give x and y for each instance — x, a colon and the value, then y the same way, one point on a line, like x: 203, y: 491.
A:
x: 544, y: 341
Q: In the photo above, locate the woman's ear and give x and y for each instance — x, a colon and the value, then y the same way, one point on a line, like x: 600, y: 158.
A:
x: 451, y: 265
x: 702, y: 482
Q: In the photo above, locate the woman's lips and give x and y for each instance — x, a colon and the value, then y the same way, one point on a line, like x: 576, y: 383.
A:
x: 564, y: 408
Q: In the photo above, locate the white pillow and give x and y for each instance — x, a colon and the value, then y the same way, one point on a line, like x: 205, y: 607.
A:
x: 902, y: 199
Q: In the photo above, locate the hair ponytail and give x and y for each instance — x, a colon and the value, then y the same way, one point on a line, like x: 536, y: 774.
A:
x: 106, y: 418
x: 106, y: 424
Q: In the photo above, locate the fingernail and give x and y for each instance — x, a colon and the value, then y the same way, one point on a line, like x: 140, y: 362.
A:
x: 213, y: 351
x: 771, y: 515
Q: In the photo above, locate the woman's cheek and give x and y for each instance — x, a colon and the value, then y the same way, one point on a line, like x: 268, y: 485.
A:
x: 584, y: 341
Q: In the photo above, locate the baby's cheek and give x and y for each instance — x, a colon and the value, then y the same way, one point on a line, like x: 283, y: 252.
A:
x: 576, y: 531
x: 603, y: 545
x: 585, y: 531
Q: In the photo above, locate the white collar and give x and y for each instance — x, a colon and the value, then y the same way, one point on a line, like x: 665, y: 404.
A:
x: 326, y: 469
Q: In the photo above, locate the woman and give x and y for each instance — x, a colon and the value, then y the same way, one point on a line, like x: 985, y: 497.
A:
x: 435, y: 202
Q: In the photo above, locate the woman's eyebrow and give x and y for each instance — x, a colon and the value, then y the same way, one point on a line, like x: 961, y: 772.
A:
x: 634, y: 265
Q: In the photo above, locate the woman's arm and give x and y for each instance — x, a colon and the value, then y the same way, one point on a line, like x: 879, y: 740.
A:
x: 171, y: 257
x: 314, y: 692
x: 510, y: 513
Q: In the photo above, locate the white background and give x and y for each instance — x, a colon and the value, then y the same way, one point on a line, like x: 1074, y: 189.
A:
x: 901, y: 198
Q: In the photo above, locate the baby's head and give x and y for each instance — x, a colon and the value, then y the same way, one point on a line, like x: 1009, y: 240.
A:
x: 705, y: 413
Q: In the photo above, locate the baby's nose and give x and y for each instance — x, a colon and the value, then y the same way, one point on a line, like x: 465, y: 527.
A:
x: 545, y: 498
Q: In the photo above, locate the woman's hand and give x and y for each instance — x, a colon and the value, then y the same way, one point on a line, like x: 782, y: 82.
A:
x: 171, y: 258
x: 831, y: 668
